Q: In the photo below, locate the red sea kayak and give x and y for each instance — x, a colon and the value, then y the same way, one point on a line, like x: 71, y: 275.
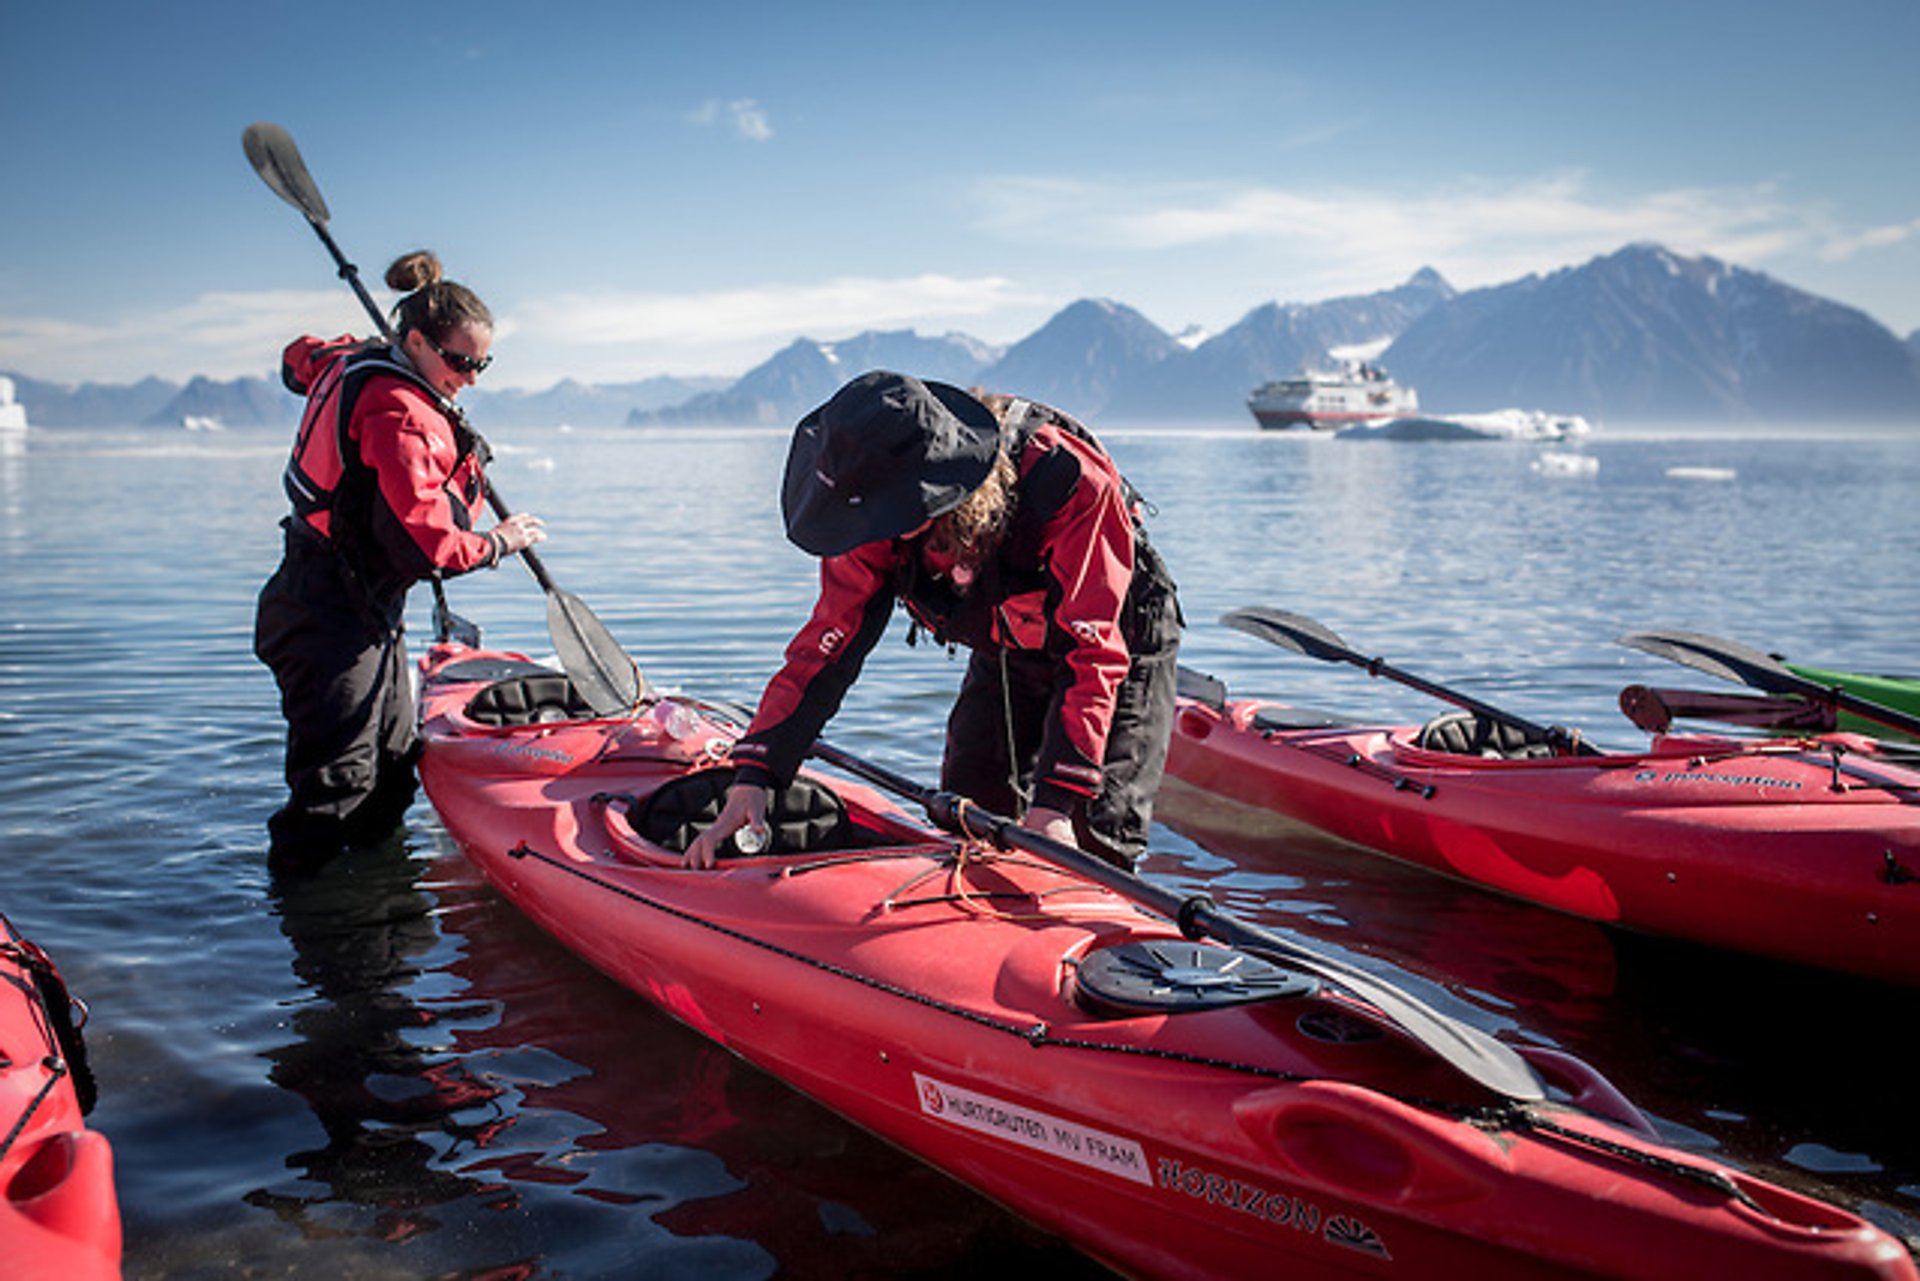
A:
x: 1174, y: 1108
x: 59, y: 1219
x: 1803, y: 849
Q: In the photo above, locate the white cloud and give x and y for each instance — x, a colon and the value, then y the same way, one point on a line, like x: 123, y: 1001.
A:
x: 613, y: 335
x: 1476, y: 231
x: 1844, y: 248
x: 825, y: 309
x: 745, y: 115
x: 221, y: 335
x: 605, y: 336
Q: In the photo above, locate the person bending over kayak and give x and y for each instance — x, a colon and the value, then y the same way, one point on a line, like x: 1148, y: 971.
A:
x: 1006, y: 529
x: 386, y: 481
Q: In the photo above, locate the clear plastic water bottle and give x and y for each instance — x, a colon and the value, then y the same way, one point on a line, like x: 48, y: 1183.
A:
x: 752, y: 839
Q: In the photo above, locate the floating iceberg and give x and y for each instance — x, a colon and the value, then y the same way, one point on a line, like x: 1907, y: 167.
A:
x: 1498, y: 424
x: 1554, y: 463
x: 13, y: 415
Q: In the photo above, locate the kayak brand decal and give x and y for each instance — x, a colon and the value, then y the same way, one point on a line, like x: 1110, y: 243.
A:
x: 1270, y: 1207
x: 1083, y: 1145
x: 1730, y: 780
x: 529, y: 752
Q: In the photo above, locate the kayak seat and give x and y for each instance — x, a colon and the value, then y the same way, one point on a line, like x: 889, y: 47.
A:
x: 802, y: 817
x: 1465, y: 734
x: 532, y: 698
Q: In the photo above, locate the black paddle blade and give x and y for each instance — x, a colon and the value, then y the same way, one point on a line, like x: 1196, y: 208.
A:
x: 1726, y: 659
x: 1476, y: 1054
x: 449, y: 626
x: 1296, y: 632
x: 271, y: 151
x: 1200, y: 687
x: 607, y: 678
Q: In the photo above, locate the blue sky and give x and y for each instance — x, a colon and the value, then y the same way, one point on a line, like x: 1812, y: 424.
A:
x: 638, y: 188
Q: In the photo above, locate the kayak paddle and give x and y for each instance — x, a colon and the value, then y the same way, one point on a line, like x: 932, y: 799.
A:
x: 449, y: 626
x: 604, y: 673
x: 1475, y: 1053
x: 1303, y: 635
x: 1732, y: 661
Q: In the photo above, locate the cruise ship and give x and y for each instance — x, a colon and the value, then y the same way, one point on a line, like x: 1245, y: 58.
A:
x: 1359, y: 394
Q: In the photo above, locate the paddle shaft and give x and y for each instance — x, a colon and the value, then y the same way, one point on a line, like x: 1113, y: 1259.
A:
x: 606, y: 677
x: 1377, y: 667
x: 1733, y: 661
x: 1310, y: 638
x: 1840, y: 697
x: 1477, y: 1055
x: 957, y: 814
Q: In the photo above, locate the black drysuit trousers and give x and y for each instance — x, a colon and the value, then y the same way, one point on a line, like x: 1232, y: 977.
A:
x: 348, y: 703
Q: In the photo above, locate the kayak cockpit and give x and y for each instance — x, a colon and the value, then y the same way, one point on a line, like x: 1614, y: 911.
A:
x: 1464, y: 733
x: 806, y: 817
x: 538, y: 697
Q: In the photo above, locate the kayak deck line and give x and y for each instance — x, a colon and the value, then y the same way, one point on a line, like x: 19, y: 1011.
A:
x: 59, y: 1212
x: 1037, y: 1034
x: 1210, y: 1107
x: 1493, y: 1118
x: 1832, y: 749
x: 1803, y: 848
x: 57, y: 1071
x: 943, y: 853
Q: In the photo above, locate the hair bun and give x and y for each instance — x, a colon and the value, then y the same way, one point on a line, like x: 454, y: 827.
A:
x: 414, y: 271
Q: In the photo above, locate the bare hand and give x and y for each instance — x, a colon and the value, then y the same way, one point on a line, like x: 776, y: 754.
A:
x: 1050, y: 823
x: 746, y: 807
x: 519, y: 532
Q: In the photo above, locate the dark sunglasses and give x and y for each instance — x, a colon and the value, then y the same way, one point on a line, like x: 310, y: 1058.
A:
x: 460, y: 362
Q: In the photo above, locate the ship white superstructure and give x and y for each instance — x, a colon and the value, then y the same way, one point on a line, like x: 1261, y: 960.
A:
x: 1359, y: 394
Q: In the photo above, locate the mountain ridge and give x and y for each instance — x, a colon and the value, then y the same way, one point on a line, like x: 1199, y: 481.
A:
x: 1641, y: 334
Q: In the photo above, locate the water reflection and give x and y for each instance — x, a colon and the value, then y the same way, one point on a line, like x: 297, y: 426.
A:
x: 622, y: 1107
x: 491, y: 1104
x: 572, y: 1131
x: 1512, y: 967
x: 389, y: 1108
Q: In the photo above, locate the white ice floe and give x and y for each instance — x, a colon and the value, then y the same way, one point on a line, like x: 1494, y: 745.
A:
x: 1554, y: 463
x: 1498, y: 424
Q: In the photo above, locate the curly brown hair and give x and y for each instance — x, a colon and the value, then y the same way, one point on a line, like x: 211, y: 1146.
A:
x: 971, y: 532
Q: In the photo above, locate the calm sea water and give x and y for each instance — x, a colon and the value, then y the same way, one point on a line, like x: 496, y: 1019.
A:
x: 387, y: 1073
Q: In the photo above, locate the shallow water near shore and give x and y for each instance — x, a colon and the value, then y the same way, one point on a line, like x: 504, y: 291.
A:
x: 386, y: 1072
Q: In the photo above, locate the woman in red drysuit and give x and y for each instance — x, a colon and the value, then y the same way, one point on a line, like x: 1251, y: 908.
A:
x: 386, y: 481
x: 1005, y: 529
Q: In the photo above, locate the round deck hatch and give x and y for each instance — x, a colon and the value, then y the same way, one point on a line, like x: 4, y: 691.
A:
x: 1171, y: 976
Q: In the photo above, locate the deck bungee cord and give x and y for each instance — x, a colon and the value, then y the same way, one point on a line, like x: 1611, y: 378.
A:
x: 1214, y: 1097
x: 1509, y: 1116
